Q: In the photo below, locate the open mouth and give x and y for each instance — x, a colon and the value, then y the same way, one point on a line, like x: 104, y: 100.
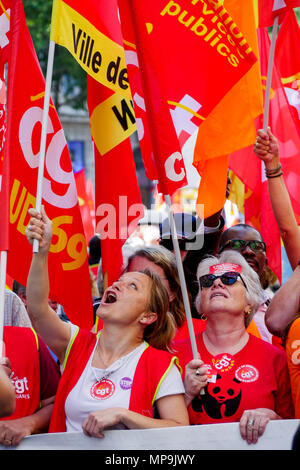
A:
x: 110, y: 297
x: 218, y: 294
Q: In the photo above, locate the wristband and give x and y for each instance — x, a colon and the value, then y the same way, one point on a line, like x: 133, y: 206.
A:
x: 274, y: 176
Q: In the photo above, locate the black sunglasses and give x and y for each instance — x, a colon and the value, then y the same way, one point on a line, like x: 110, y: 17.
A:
x: 228, y: 279
x: 240, y: 245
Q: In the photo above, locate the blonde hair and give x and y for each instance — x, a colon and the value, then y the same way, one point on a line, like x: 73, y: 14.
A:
x: 161, y: 332
x: 254, y: 291
x: 166, y: 261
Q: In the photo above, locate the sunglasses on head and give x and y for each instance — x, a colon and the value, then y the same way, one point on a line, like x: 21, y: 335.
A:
x: 239, y: 245
x: 228, y: 279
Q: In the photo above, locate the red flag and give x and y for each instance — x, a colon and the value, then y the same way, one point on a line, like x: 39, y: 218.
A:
x: 4, y: 162
x: 4, y: 174
x: 175, y: 54
x: 91, y: 32
x: 118, y: 201
x: 267, y: 10
x: 83, y: 200
x: 68, y: 265
x: 287, y: 56
x: 248, y: 167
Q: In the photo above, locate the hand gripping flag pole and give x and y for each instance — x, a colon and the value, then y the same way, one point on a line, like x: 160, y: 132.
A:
x: 186, y: 301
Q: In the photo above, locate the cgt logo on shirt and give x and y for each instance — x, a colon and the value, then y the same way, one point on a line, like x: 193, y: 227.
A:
x: 21, y: 386
x: 247, y: 373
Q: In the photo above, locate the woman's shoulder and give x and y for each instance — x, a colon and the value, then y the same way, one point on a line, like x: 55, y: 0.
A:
x: 265, y: 349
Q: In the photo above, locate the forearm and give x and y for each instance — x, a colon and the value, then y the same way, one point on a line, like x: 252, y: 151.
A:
x: 37, y: 288
x: 284, y: 306
x: 284, y: 215
x: 7, y: 395
x: 133, y: 420
x: 46, y: 322
x: 38, y: 422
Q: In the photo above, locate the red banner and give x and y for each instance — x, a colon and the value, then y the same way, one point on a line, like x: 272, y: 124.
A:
x: 269, y: 9
x: 175, y: 52
x: 248, y: 167
x: 68, y: 266
x: 287, y: 54
x: 4, y: 162
x: 88, y: 220
x: 118, y: 202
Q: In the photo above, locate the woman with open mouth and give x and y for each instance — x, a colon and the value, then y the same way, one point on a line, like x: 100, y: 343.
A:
x: 122, y: 378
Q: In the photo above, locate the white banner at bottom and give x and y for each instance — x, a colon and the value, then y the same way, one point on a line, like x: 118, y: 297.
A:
x: 277, y: 436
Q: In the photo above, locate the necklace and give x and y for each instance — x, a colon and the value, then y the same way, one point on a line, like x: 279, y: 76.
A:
x: 105, y: 373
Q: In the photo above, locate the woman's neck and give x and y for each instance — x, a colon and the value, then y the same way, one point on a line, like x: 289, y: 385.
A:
x: 114, y: 344
x: 225, y: 336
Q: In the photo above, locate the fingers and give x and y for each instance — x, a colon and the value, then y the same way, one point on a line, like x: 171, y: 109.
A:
x: 252, y: 426
x: 195, y: 377
x: 92, y: 427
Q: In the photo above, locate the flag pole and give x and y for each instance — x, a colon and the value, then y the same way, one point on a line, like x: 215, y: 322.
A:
x: 44, y: 133
x: 182, y: 277
x: 269, y: 73
x: 3, y: 263
x: 184, y: 291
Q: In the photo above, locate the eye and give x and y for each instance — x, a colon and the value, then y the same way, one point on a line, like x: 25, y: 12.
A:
x: 133, y: 285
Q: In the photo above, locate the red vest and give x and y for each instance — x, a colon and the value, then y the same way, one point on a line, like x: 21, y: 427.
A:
x: 151, y: 368
x: 21, y: 347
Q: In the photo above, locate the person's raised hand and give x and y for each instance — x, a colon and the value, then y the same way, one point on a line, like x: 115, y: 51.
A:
x: 39, y: 228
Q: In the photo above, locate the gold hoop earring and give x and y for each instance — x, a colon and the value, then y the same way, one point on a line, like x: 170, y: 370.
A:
x: 203, y: 317
x: 247, y: 314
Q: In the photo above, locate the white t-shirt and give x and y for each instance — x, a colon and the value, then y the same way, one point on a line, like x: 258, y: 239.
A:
x: 99, y: 389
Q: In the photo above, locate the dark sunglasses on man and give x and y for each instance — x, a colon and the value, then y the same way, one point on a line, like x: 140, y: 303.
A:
x: 240, y: 245
x: 228, y: 279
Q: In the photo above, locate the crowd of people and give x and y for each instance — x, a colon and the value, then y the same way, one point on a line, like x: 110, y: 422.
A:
x: 137, y: 369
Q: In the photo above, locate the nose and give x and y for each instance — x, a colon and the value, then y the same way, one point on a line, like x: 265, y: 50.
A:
x: 248, y: 250
x: 217, y: 283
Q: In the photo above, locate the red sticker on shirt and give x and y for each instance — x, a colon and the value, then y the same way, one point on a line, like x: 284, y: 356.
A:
x: 223, y: 362
x: 247, y: 373
x: 103, y: 389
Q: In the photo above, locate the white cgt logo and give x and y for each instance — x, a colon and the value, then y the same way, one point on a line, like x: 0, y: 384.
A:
x: 170, y: 167
x: 29, y: 120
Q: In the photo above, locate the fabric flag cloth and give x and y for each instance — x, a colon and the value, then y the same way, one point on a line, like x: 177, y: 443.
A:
x: 83, y: 200
x: 4, y: 162
x: 231, y: 124
x: 267, y: 10
x: 175, y: 53
x: 91, y: 32
x: 287, y: 55
x: 68, y: 262
x: 244, y: 163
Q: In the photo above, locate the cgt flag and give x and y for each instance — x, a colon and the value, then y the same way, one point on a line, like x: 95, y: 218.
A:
x: 68, y: 265
x: 258, y: 209
x: 4, y: 161
x: 231, y: 124
x: 175, y: 52
x: 118, y: 201
x: 267, y: 10
x: 287, y: 56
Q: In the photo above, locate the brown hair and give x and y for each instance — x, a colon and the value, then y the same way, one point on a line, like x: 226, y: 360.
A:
x: 166, y: 261
x: 161, y: 332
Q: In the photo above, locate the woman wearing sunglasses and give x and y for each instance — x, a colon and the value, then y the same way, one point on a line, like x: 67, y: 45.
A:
x: 244, y: 378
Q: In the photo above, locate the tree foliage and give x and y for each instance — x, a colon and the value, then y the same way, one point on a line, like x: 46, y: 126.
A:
x: 69, y: 80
